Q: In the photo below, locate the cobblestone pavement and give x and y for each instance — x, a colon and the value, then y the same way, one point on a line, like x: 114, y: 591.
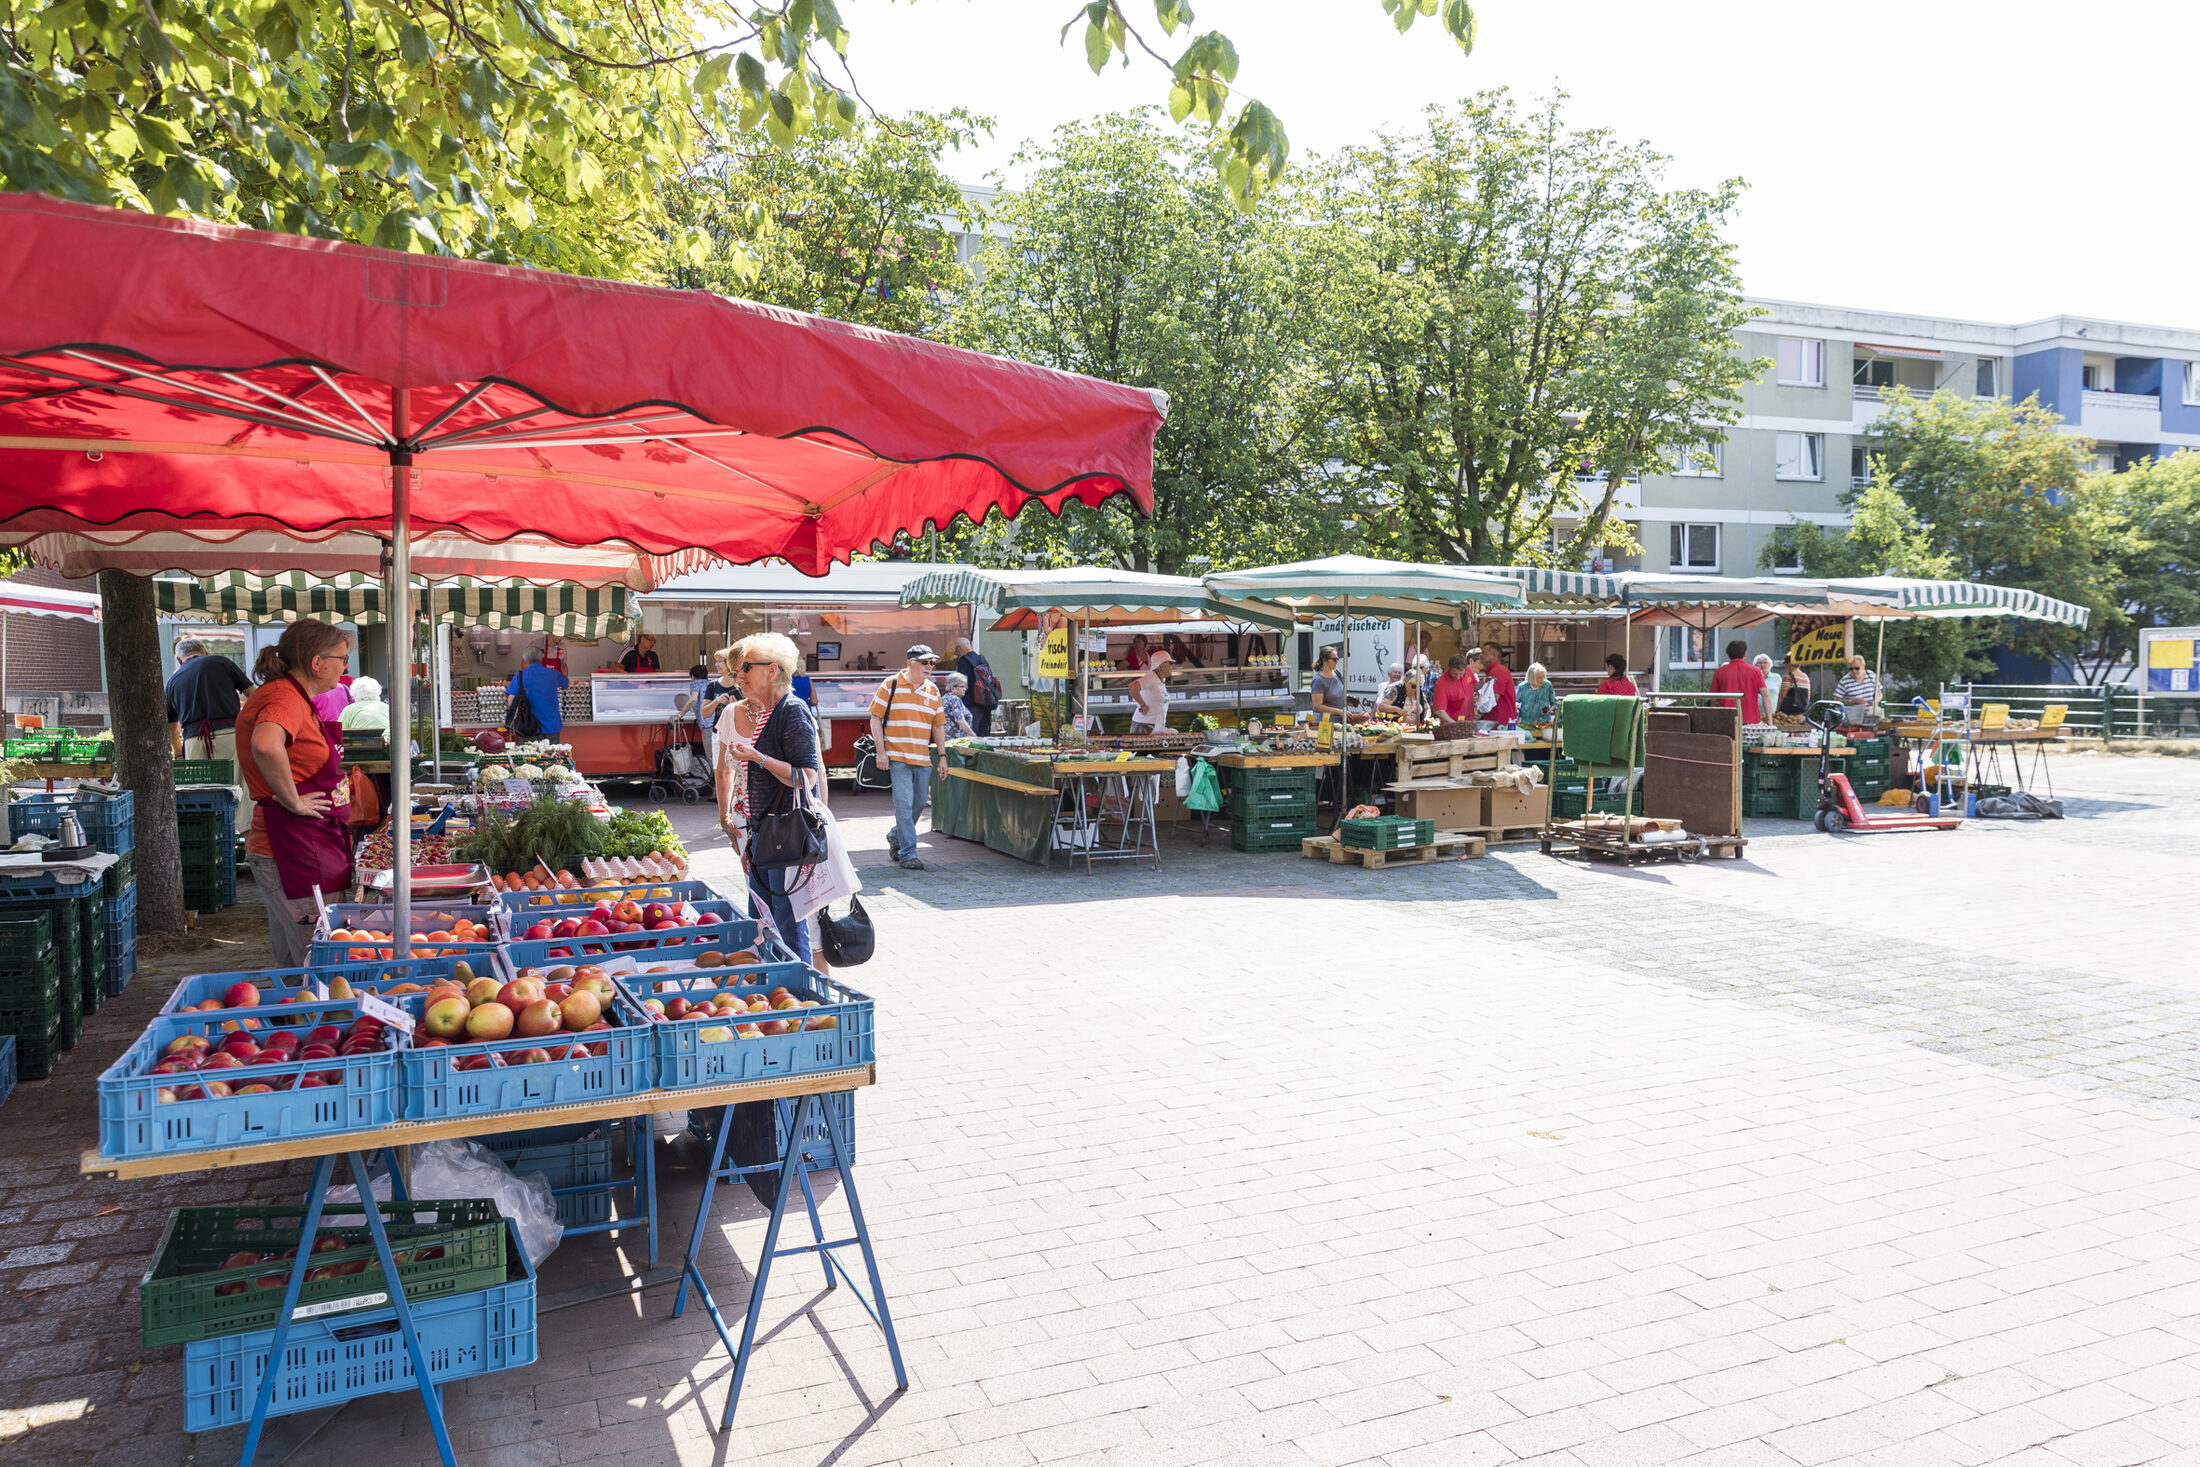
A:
x: 1878, y: 1150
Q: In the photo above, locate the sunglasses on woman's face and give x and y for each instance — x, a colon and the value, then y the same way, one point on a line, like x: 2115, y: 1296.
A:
x: 749, y: 667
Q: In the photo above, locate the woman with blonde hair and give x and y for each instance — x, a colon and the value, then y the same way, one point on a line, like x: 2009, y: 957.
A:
x: 777, y: 742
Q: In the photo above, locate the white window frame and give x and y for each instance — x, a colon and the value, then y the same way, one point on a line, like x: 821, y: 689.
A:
x: 1676, y: 649
x: 1807, y: 445
x: 1688, y: 463
x: 2192, y: 384
x: 1780, y: 547
x: 1810, y: 361
x: 1684, y: 532
x: 1992, y: 366
x: 2098, y: 373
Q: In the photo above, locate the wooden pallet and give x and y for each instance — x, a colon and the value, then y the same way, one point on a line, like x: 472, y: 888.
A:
x: 1443, y: 848
x: 1609, y: 848
x: 1498, y: 835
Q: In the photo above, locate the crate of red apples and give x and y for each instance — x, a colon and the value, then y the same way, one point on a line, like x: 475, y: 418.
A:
x: 746, y: 1019
x: 531, y: 1040
x: 609, y: 928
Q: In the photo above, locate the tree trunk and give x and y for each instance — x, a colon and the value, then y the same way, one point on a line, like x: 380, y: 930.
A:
x: 137, y: 701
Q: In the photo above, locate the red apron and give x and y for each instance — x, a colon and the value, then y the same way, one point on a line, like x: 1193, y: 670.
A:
x: 313, y: 850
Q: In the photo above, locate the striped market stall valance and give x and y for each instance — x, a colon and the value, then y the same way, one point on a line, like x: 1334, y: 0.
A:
x: 1103, y: 595
x: 1961, y: 598
x: 1542, y: 586
x: 1362, y: 585
x: 581, y: 612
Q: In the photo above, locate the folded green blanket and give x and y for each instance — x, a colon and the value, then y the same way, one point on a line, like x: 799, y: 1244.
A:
x: 1598, y: 728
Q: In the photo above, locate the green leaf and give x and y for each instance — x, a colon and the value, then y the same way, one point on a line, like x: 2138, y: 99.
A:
x: 1180, y: 102
x: 750, y: 73
x: 1459, y: 21
x: 415, y: 45
x: 711, y: 75
x: 1097, y: 47
x: 1172, y: 14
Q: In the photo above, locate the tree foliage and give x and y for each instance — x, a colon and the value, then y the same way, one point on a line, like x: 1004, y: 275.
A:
x: 1513, y: 303
x: 2143, y: 526
x: 852, y: 227
x: 1119, y: 260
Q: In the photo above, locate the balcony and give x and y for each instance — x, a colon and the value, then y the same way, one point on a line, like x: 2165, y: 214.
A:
x: 2121, y: 417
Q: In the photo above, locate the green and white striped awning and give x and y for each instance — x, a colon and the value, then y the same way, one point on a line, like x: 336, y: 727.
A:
x: 1364, y: 586
x: 1960, y: 598
x: 1542, y: 586
x: 1101, y: 594
x: 581, y: 612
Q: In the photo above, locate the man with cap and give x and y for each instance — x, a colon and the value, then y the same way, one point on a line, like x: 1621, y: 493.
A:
x: 204, y: 694
x: 909, y: 732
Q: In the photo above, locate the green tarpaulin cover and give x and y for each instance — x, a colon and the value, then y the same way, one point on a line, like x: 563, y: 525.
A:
x: 1599, y: 729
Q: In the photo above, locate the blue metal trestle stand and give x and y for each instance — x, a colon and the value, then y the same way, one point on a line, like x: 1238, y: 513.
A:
x: 793, y: 1173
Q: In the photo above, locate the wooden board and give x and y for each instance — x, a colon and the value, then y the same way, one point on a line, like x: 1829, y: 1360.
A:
x: 1695, y: 778
x: 1084, y: 768
x: 1273, y: 761
x: 1730, y: 846
x: 1443, y: 848
x: 411, y: 1133
x: 1840, y: 751
x: 1014, y: 786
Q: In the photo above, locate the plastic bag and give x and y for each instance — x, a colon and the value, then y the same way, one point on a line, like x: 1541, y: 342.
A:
x: 1183, y: 776
x: 442, y: 1169
x: 832, y: 880
x: 1206, y: 791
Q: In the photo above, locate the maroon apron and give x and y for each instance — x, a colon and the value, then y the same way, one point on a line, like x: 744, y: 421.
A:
x: 313, y: 850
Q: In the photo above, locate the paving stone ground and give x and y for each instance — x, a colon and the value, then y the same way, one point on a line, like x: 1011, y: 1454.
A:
x: 1879, y: 1150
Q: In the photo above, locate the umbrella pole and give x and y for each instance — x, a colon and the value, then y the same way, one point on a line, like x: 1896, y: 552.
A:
x: 400, y: 622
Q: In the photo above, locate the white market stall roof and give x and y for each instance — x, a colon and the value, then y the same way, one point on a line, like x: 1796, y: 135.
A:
x: 25, y: 600
x: 1365, y: 585
x: 206, y: 553
x: 1100, y: 595
x: 584, y: 613
x: 873, y: 582
x: 1915, y: 597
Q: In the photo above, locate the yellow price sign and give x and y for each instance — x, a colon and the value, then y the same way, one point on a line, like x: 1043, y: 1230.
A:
x: 1324, y: 736
x: 1054, y: 653
x: 1819, y: 645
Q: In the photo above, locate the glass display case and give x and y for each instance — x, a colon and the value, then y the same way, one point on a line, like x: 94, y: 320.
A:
x: 844, y: 694
x: 627, y: 697
x: 1200, y: 689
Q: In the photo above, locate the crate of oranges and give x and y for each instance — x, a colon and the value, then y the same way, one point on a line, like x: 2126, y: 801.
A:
x: 351, y: 933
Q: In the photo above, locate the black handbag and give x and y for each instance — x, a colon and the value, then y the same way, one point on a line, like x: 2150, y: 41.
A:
x: 519, y: 717
x: 794, y: 837
x: 846, y: 941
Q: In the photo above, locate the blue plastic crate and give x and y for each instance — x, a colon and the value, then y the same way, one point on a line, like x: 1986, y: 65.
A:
x: 48, y: 886
x: 208, y: 800
x: 584, y: 1161
x: 134, y: 1121
x: 732, y: 933
x: 433, y: 1087
x: 121, y: 939
x: 362, y: 1353
x: 584, y: 897
x: 280, y: 985
x: 426, y: 916
x: 109, y: 817
x: 684, y: 1059
x: 7, y: 1067
x: 817, y: 1138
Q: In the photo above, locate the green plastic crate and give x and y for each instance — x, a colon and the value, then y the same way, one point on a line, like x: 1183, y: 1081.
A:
x: 1386, y: 833
x: 120, y: 875
x: 37, y: 1049
x: 179, y: 1299
x: 206, y: 771
x: 26, y: 937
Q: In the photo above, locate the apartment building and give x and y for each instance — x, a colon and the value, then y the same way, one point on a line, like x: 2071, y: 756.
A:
x: 1805, y: 432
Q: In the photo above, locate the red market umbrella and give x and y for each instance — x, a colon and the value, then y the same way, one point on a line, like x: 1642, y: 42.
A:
x: 165, y: 377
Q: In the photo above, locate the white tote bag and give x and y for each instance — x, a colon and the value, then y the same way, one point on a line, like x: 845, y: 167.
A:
x: 832, y: 880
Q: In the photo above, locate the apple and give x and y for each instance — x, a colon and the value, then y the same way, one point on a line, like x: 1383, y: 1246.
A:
x: 518, y: 993
x: 537, y: 1019
x: 164, y: 1095
x: 654, y: 912
x: 748, y: 1031
x: 567, y: 927
x: 827, y: 1022
x: 323, y: 1034
x: 666, y: 925
x: 579, y: 1010
x: 539, y: 932
x: 222, y: 1059
x: 183, y: 1042
x: 556, y: 992
x: 707, y: 919
x: 328, y: 1243
x: 628, y: 911
x: 777, y: 1026
x: 593, y: 928
x: 217, y: 1089
x: 255, y: 1089
x: 271, y: 1056
x: 240, y: 995
x: 315, y: 1081
x: 316, y: 1052
x: 785, y: 1000
x: 484, y: 990
x: 715, y: 1034
x: 529, y: 1057
x: 234, y: 1286
x: 481, y: 1061
x: 446, y: 1017
x: 325, y: 1271
x: 490, y: 1021
x: 656, y: 1007
x: 677, y: 1007
x: 596, y: 981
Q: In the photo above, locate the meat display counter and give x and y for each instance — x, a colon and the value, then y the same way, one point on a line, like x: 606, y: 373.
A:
x: 1220, y: 692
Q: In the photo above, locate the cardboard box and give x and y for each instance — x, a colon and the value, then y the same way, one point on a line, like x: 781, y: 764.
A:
x: 1447, y: 809
x: 1504, y: 808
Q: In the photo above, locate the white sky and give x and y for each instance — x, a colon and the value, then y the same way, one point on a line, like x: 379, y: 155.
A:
x: 1986, y: 161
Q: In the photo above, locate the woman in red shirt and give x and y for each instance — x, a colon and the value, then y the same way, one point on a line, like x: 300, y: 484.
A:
x: 1618, y: 684
x: 292, y: 763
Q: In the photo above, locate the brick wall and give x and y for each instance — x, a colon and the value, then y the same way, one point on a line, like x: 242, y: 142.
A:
x: 46, y: 654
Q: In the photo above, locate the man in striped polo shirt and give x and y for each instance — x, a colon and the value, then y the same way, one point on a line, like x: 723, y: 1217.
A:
x: 909, y: 730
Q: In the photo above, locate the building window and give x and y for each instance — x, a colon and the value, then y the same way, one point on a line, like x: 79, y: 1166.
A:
x: 1687, y: 647
x: 1695, y: 547
x: 1801, y: 363
x: 1700, y: 463
x: 1874, y: 372
x: 1989, y: 384
x: 2093, y: 377
x: 1799, y: 456
x: 1860, y: 463
x: 1787, y: 558
x: 2192, y: 384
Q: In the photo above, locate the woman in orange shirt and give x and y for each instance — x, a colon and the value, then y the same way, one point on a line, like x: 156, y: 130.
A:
x: 301, y: 811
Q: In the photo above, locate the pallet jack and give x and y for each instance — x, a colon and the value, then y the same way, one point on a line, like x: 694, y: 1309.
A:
x: 1838, y: 808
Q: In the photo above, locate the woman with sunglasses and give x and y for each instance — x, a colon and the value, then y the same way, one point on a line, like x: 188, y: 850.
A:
x: 300, y: 837
x: 778, y: 747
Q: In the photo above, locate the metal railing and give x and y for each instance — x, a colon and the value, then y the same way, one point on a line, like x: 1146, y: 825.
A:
x: 2109, y: 712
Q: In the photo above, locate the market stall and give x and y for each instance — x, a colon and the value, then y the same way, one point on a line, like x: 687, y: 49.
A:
x: 513, y: 392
